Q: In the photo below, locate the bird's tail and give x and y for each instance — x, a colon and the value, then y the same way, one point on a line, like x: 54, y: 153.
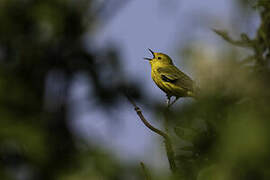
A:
x: 195, y: 93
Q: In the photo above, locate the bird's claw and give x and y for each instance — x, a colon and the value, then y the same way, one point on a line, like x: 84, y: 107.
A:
x: 169, y: 104
x: 168, y: 101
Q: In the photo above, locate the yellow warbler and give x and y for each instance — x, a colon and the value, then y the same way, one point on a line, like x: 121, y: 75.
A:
x: 169, y: 78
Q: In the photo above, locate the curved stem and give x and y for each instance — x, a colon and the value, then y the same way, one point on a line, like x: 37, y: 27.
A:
x: 167, y: 141
x: 145, y: 172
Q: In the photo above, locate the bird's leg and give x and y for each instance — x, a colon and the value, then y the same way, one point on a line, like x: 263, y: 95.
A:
x: 176, y: 98
x: 166, y: 120
x: 168, y: 100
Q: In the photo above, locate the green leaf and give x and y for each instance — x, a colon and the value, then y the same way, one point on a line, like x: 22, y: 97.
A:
x: 245, y: 37
x: 248, y: 59
x: 186, y: 156
x: 187, y: 148
x: 210, y: 173
x: 244, y: 42
x: 185, y: 133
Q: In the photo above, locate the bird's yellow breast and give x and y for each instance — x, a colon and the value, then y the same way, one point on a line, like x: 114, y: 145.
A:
x: 159, y: 82
x: 171, y: 89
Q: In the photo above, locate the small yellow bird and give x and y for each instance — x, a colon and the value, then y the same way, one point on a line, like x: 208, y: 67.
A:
x: 169, y: 78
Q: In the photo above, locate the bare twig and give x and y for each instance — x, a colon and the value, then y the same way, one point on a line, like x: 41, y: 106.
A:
x: 166, y: 119
x: 167, y: 141
x: 145, y: 172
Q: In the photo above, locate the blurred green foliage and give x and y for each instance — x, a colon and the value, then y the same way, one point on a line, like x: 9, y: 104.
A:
x: 42, y: 48
x: 222, y: 135
x: 225, y: 133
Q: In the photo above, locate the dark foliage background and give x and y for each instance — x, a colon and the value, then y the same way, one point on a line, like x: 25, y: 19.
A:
x: 222, y: 135
x: 41, y: 50
x: 225, y: 133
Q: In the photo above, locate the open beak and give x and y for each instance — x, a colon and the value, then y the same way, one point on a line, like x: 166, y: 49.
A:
x: 149, y: 59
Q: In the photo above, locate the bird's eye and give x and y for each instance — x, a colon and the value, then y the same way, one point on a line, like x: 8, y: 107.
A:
x: 159, y: 57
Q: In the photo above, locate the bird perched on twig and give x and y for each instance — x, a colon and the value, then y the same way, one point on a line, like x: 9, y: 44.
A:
x: 169, y: 78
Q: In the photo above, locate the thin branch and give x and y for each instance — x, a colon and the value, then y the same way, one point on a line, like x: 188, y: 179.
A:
x: 167, y: 141
x: 146, y: 123
x: 166, y: 119
x: 145, y: 172
x: 244, y: 42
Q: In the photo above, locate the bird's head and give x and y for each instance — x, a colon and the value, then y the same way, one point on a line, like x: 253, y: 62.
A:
x: 159, y: 58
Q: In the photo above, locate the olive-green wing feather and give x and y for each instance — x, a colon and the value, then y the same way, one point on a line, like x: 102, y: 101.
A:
x: 173, y: 75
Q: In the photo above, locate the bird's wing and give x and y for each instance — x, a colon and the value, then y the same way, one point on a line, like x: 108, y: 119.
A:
x: 173, y: 75
x: 169, y: 78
